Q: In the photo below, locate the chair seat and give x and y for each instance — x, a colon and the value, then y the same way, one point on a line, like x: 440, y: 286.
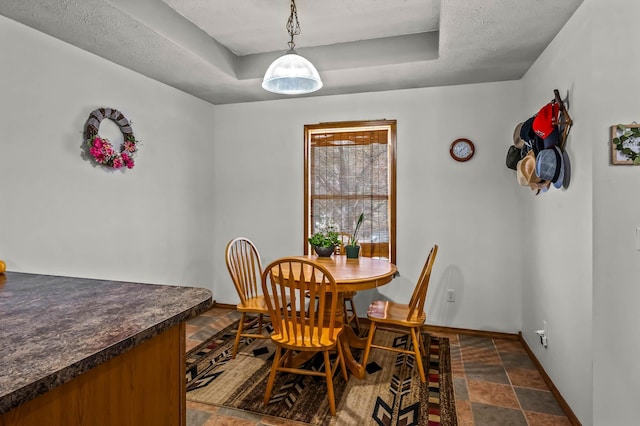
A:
x: 254, y: 304
x: 294, y: 339
x: 388, y: 312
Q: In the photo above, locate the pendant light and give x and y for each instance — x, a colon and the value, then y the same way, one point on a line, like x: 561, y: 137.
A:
x: 291, y: 74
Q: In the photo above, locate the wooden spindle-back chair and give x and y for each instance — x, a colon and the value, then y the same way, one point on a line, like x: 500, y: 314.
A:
x: 245, y: 268
x: 403, y: 318
x: 302, y: 326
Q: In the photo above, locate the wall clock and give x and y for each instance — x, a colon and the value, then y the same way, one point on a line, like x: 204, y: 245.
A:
x: 462, y: 149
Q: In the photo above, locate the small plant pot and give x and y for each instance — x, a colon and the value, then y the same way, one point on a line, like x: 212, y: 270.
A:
x: 352, y: 251
x: 324, y: 251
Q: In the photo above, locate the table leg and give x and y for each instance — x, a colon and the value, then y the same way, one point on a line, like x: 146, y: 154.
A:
x: 352, y: 364
x: 348, y: 340
x: 352, y: 339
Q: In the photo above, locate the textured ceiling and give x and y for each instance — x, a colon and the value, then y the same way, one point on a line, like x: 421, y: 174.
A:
x: 218, y: 50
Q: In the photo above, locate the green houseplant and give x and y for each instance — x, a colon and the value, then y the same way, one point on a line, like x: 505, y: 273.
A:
x: 324, y: 242
x: 324, y: 239
x: 352, y: 248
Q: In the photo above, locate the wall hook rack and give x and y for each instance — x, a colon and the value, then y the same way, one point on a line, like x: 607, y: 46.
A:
x: 564, y: 119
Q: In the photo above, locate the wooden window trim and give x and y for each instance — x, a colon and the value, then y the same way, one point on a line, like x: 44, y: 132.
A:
x: 363, y: 125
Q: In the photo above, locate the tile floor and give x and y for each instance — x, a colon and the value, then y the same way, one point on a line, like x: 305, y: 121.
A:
x: 495, y: 383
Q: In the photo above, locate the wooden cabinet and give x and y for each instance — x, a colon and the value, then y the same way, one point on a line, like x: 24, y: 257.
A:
x: 142, y: 386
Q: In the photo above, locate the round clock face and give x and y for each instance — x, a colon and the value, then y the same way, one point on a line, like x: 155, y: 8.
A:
x: 462, y: 149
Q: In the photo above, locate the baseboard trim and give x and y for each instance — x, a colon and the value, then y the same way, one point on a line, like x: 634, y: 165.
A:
x: 470, y: 332
x: 552, y: 387
x: 223, y: 305
x: 454, y: 330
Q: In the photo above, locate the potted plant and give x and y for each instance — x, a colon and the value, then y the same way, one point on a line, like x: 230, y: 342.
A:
x: 324, y: 242
x: 352, y: 248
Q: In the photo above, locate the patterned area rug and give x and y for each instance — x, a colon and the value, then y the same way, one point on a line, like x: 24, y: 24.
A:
x: 391, y: 394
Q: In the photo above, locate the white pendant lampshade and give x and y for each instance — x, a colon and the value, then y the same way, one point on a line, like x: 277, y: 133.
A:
x: 291, y: 74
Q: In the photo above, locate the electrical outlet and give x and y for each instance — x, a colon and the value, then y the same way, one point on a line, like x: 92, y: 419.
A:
x: 544, y: 337
x: 451, y: 295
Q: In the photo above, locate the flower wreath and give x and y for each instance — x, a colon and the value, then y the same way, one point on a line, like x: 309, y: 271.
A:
x: 101, y: 149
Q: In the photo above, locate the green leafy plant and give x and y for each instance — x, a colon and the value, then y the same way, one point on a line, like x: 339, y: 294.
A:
x: 325, y: 239
x: 628, y: 135
x: 353, y: 238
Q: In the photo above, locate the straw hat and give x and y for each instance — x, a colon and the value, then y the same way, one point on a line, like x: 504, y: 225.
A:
x: 526, y: 173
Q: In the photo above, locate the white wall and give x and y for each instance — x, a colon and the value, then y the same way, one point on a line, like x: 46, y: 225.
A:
x: 558, y: 225
x: 615, y: 96
x: 584, y: 275
x: 470, y: 209
x: 59, y: 214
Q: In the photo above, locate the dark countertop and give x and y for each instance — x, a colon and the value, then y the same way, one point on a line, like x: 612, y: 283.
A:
x: 53, y: 329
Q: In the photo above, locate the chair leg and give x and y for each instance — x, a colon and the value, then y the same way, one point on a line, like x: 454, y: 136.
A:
x: 418, y: 354
x: 260, y: 317
x: 272, y: 376
x: 237, y: 341
x: 343, y: 365
x: 329, y: 373
x: 367, y: 349
x: 287, y: 360
x: 354, y: 316
x: 421, y: 341
x: 355, y: 319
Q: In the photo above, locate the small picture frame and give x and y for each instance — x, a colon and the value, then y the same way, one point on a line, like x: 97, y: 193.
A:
x: 625, y: 144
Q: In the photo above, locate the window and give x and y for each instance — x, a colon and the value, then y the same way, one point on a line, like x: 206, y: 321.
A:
x: 350, y: 169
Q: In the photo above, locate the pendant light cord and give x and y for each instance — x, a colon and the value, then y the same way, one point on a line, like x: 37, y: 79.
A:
x: 293, y: 25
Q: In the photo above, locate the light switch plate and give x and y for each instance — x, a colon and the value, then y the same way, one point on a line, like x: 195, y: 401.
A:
x: 638, y: 239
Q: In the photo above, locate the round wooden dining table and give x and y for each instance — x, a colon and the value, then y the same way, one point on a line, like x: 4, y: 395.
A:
x: 352, y: 275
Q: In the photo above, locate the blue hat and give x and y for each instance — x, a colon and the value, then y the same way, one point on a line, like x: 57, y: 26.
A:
x: 550, y: 166
x: 567, y: 170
